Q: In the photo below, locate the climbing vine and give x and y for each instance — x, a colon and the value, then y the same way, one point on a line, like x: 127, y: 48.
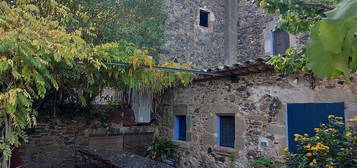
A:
x: 41, y: 55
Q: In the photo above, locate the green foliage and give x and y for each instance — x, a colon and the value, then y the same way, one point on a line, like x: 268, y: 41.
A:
x: 297, y: 16
x: 42, y: 57
x: 31, y: 49
x: 331, y: 47
x: 294, y: 60
x: 161, y: 149
x: 263, y: 162
x: 232, y: 158
x: 344, y: 10
x: 332, y: 50
x: 332, y: 147
x: 140, y: 22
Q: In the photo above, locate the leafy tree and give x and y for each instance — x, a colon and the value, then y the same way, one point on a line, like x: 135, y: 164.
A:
x: 40, y: 55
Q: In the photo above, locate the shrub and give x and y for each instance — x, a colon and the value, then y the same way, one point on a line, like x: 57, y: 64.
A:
x: 161, y: 149
x: 263, y: 162
x: 332, y: 146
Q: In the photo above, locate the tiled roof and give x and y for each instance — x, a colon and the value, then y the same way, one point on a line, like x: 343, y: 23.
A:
x: 251, y: 66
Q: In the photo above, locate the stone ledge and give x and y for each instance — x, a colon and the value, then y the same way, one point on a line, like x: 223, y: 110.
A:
x: 224, y: 151
x: 181, y: 144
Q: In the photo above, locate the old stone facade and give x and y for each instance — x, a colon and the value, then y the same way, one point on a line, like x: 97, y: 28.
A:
x: 259, y: 104
x: 236, y: 33
x: 56, y: 143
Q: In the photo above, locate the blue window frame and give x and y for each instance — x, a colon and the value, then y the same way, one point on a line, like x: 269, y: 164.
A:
x: 226, y: 131
x: 303, y: 118
x: 180, y: 128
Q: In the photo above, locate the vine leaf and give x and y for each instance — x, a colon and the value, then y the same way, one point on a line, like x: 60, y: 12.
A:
x: 345, y: 9
x: 330, y: 47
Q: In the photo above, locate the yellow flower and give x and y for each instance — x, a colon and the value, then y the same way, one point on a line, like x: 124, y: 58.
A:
x: 331, y: 116
x: 348, y: 134
x: 286, y: 149
x: 313, y: 162
x: 354, y: 118
x: 308, y: 146
x: 306, y: 135
x: 297, y: 135
x: 328, y: 166
x: 320, y: 146
x: 309, y: 154
x: 262, y: 4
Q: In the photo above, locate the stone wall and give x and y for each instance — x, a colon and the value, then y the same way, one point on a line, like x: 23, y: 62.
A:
x: 237, y: 32
x: 189, y: 42
x: 258, y: 102
x: 55, y: 144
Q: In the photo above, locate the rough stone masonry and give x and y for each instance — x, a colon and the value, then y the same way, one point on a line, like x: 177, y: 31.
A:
x: 258, y: 103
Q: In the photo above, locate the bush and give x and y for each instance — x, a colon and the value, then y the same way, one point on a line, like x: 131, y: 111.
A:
x: 263, y: 162
x: 332, y: 146
x: 161, y: 149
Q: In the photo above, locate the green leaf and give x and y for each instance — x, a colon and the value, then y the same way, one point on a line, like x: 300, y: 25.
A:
x: 330, y: 47
x: 345, y: 9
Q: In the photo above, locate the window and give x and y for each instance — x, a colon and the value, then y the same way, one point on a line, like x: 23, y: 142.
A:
x: 279, y: 42
x: 204, y: 18
x: 226, y: 131
x: 180, y: 128
x: 303, y: 118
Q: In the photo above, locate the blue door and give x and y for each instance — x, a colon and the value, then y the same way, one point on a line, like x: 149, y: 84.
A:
x: 303, y: 118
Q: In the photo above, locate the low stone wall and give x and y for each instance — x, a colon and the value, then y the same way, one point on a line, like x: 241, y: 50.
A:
x: 258, y: 102
x: 56, y: 143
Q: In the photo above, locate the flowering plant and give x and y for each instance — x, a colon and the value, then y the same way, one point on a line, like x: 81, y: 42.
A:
x: 332, y: 146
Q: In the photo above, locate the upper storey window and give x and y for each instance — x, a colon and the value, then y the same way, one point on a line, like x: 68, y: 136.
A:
x: 280, y: 41
x: 204, y: 18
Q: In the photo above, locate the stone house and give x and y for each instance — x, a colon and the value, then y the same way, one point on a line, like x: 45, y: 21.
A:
x: 250, y: 112
x: 217, y: 121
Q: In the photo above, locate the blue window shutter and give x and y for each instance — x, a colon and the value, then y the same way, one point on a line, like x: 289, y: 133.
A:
x: 204, y: 18
x: 180, y: 128
x: 227, y: 131
x: 303, y: 118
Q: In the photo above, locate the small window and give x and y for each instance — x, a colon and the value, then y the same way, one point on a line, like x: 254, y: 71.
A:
x: 180, y: 128
x: 279, y: 42
x: 226, y: 131
x: 204, y: 18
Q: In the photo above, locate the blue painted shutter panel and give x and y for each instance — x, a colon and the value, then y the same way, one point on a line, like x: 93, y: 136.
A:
x: 303, y: 118
x: 227, y: 131
x: 204, y: 18
x: 182, y: 128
